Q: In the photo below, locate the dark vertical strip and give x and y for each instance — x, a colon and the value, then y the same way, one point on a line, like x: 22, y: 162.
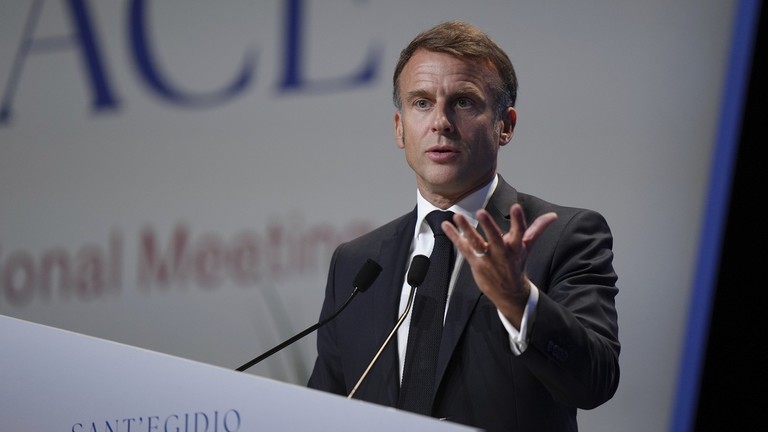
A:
x: 732, y: 395
x: 713, y: 227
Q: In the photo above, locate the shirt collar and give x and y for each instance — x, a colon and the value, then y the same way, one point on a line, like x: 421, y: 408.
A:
x: 467, y: 206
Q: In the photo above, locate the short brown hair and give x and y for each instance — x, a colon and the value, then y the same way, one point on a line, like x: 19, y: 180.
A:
x: 465, y: 41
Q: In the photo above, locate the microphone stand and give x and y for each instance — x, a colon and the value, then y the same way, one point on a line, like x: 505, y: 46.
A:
x: 298, y: 336
x: 386, y: 342
x: 364, y: 279
x: 416, y: 275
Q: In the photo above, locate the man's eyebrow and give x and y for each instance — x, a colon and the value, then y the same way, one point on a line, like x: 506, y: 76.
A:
x: 417, y: 94
x: 467, y: 91
x: 463, y: 91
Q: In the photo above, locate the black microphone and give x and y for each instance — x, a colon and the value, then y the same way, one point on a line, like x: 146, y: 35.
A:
x: 364, y: 279
x: 416, y: 274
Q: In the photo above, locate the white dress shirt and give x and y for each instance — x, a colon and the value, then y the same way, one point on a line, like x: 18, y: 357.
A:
x: 422, y: 244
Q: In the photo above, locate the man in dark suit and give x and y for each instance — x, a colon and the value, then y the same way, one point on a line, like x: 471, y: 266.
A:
x: 529, y: 334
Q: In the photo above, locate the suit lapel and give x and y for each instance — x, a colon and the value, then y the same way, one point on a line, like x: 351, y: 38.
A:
x: 465, y: 293
x: 392, y: 255
x: 463, y: 301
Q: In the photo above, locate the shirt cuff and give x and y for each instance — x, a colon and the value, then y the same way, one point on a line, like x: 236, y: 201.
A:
x: 518, y: 339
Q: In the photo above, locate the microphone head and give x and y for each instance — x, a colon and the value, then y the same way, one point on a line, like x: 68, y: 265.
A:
x: 367, y: 274
x: 418, y: 270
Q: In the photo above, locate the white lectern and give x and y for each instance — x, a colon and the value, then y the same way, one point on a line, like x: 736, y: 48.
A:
x: 56, y: 380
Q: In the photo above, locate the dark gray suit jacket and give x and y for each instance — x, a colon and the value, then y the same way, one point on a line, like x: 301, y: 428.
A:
x: 572, y: 360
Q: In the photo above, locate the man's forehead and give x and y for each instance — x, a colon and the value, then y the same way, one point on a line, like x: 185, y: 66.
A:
x: 427, y: 69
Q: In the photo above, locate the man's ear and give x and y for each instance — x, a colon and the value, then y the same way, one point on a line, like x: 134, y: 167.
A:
x: 399, y: 130
x: 508, y: 122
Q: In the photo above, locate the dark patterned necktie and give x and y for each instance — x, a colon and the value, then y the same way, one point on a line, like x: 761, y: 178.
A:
x: 427, y: 323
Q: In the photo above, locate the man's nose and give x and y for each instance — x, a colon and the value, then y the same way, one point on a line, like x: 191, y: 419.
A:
x: 443, y: 120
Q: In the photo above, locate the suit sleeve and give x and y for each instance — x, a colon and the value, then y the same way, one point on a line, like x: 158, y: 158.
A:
x: 574, y: 347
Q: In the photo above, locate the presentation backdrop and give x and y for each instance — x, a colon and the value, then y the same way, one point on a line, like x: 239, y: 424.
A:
x: 175, y: 175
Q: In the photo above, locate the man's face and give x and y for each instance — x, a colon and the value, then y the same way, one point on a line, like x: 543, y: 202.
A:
x: 447, y: 125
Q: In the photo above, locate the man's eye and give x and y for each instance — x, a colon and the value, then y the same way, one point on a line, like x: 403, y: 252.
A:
x: 464, y: 103
x: 421, y: 103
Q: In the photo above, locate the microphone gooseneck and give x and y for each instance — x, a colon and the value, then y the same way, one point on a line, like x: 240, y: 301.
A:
x: 363, y: 280
x: 416, y: 274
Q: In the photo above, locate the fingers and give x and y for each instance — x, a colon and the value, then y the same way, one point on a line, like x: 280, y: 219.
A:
x: 537, y: 227
x: 520, y: 236
x: 464, y: 236
x: 493, y: 234
x: 519, y: 231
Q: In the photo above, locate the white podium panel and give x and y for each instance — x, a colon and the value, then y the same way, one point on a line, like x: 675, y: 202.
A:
x: 56, y: 380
